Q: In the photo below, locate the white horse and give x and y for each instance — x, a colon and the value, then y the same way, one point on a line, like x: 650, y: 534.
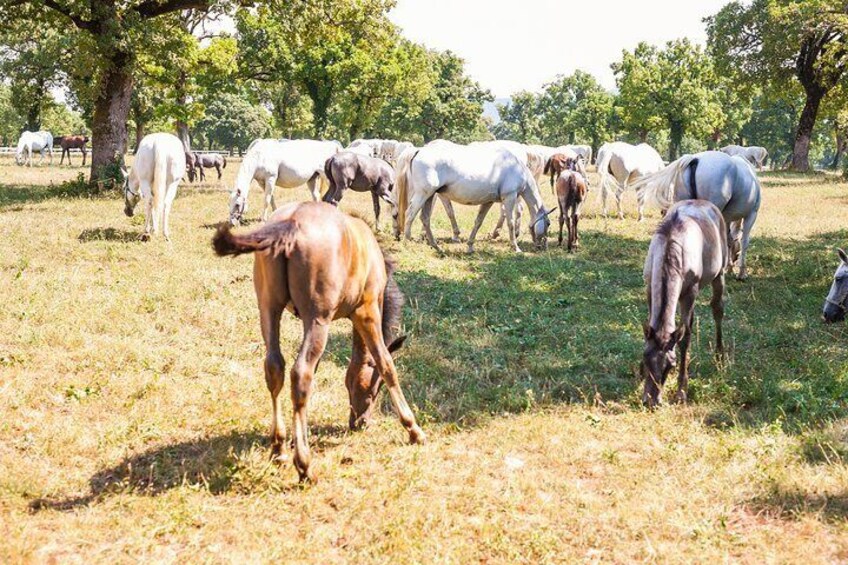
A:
x: 41, y: 141
x: 473, y: 175
x: 159, y: 167
x: 369, y: 147
x: 286, y: 164
x: 728, y: 182
x: 755, y: 155
x: 584, y: 151
x: 620, y: 164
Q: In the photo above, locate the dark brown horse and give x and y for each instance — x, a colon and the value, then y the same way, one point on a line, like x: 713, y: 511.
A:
x: 323, y: 265
x: 68, y: 142
x: 571, y: 190
x: 688, y: 251
x: 350, y: 170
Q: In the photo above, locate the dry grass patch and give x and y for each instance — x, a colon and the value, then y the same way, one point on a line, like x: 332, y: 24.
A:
x: 134, y: 411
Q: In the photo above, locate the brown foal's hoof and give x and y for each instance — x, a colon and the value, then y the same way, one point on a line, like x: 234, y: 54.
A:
x: 681, y: 397
x: 144, y: 237
x: 417, y: 436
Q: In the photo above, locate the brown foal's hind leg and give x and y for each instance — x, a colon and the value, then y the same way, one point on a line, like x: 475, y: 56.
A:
x: 362, y: 383
x: 366, y: 322
x: 314, y: 340
x: 275, y: 366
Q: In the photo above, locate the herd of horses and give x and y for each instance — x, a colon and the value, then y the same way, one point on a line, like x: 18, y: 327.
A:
x: 42, y: 142
x: 322, y: 264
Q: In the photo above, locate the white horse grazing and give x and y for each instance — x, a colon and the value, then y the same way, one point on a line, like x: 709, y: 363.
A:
x: 620, y: 164
x: 41, y: 141
x: 728, y: 182
x: 159, y: 167
x: 755, y: 155
x: 369, y: 147
x: 475, y: 175
x: 286, y: 164
x: 584, y: 151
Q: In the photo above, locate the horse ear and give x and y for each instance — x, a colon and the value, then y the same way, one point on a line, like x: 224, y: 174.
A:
x: 843, y: 256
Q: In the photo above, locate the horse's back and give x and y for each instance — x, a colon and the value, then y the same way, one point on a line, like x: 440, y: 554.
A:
x: 162, y: 151
x: 699, y: 227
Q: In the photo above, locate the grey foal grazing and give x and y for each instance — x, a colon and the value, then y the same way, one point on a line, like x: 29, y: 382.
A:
x: 350, y: 170
x: 688, y: 251
x: 836, y: 302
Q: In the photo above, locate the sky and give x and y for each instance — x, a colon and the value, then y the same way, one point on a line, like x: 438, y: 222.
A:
x: 518, y: 45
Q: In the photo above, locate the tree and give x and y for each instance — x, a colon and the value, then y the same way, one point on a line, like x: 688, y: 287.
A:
x: 109, y: 36
x: 520, y: 119
x: 11, y: 122
x: 674, y: 87
x: 773, y: 118
x: 780, y: 41
x: 232, y: 122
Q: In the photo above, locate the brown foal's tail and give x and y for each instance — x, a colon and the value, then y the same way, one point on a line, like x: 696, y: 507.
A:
x: 277, y: 238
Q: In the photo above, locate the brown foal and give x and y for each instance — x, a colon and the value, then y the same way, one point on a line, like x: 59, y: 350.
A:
x: 323, y: 265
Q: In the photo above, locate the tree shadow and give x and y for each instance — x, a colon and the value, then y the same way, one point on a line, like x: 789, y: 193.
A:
x: 216, y: 462
x: 541, y: 328
x: 795, y: 504
x: 108, y: 234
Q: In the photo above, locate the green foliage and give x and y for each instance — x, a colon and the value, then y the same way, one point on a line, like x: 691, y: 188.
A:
x: 59, y: 119
x: 673, y: 87
x: 232, y: 122
x: 520, y: 119
x: 11, y: 122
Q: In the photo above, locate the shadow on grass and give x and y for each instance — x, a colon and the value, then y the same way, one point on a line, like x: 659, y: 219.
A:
x: 108, y: 234
x: 216, y: 462
x: 15, y: 197
x: 796, y: 504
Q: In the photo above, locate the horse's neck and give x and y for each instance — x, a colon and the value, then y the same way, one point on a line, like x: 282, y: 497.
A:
x: 246, y: 173
x: 666, y: 286
x: 533, y: 199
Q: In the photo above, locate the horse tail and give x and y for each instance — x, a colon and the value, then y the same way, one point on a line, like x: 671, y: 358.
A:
x: 547, y: 169
x: 276, y: 237
x: 160, y: 180
x: 658, y: 188
x: 402, y: 180
x: 393, y: 300
x: 602, y: 165
x: 224, y: 159
x: 693, y: 188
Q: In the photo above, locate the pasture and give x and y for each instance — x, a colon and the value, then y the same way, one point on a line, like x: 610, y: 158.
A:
x: 134, y: 412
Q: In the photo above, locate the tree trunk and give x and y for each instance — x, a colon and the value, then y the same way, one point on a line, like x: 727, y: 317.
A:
x: 675, y: 141
x: 841, y: 142
x: 183, y: 134
x: 34, y: 117
x: 804, y: 132
x: 109, y: 124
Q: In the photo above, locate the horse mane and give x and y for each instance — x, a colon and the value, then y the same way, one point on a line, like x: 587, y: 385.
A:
x: 393, y: 301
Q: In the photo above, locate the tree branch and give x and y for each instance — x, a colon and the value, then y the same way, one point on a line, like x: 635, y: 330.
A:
x: 153, y: 8
x: 78, y: 21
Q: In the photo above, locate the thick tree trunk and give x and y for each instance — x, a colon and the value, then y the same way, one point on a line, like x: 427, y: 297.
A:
x: 804, y: 132
x: 183, y: 134
x: 109, y: 124
x: 139, y: 133
x: 34, y: 117
x: 675, y: 140
x: 841, y: 143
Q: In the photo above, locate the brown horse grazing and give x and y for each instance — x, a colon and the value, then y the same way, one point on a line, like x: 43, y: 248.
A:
x: 557, y: 164
x: 68, y: 142
x: 350, y: 170
x: 688, y: 251
x: 209, y: 161
x: 323, y: 265
x: 571, y: 190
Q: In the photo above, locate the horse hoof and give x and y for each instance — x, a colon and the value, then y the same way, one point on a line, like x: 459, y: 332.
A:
x: 417, y: 436
x: 680, y: 397
x: 144, y: 237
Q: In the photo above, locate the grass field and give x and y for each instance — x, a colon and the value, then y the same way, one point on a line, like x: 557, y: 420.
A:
x: 134, y: 413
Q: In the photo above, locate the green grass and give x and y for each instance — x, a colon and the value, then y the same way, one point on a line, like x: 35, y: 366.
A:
x: 134, y: 414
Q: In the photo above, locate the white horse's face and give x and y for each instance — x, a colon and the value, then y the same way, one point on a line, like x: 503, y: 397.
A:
x: 132, y: 195
x: 19, y: 158
x: 238, y: 205
x: 837, y: 299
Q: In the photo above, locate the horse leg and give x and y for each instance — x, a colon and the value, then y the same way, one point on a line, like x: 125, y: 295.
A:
x: 314, y: 340
x: 150, y: 223
x: 202, y: 173
x: 496, y: 233
x: 618, y: 194
x: 562, y: 214
x: 510, y: 204
x: 415, y: 205
x: 270, y: 311
x: 314, y: 185
x: 218, y: 168
x: 717, y: 304
x: 747, y: 226
x: 84, y: 153
x: 451, y: 216
x: 572, y: 226
x: 519, y: 211
x: 366, y: 323
x: 375, y: 199
x: 270, y: 183
x: 362, y: 383
x: 687, y: 316
x: 426, y: 212
x: 170, y: 194
x: 481, y: 215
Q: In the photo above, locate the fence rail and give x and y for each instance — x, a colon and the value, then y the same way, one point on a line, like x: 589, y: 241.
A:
x: 57, y: 149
